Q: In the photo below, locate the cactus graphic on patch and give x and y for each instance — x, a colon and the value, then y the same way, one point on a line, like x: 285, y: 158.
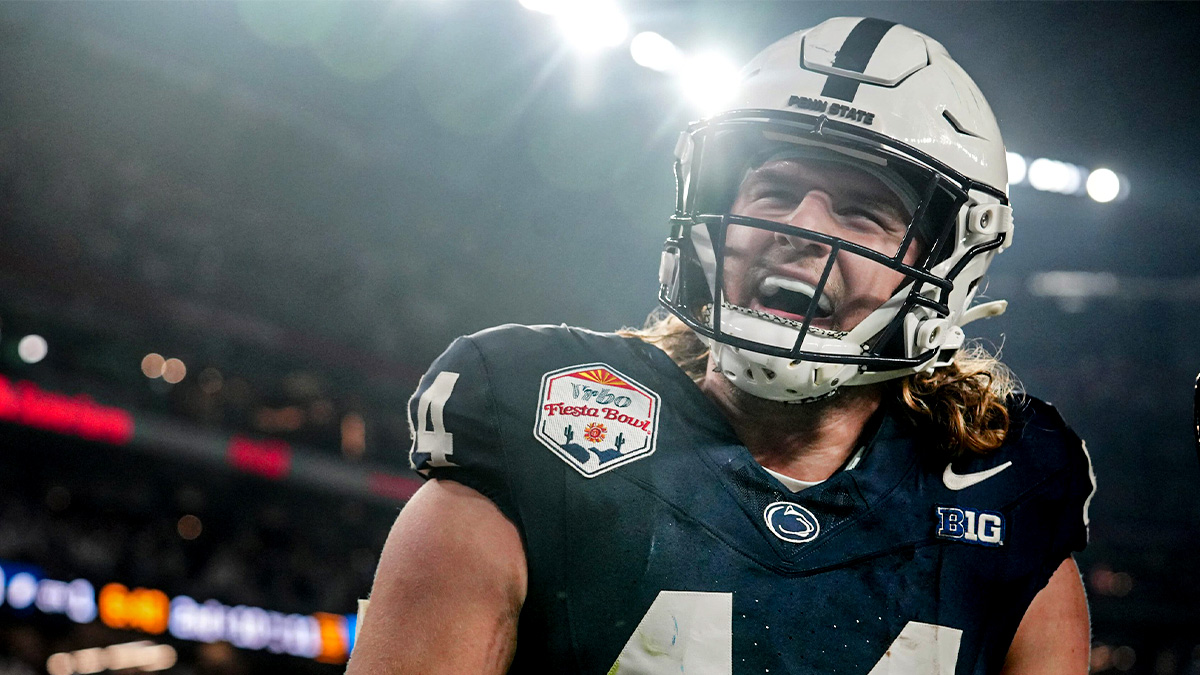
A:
x: 595, y: 418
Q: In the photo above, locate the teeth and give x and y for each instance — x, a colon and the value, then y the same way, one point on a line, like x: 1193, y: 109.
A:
x: 772, y: 284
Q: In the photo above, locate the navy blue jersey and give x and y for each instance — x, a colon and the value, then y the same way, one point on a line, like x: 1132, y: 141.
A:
x: 656, y: 544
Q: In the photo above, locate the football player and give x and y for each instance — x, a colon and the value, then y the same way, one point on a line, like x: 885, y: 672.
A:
x: 801, y: 466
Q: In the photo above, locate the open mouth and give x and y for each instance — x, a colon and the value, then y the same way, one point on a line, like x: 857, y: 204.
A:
x: 792, y: 298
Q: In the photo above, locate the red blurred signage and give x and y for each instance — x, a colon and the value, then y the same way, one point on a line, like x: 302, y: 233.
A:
x: 25, y: 403
x: 270, y: 458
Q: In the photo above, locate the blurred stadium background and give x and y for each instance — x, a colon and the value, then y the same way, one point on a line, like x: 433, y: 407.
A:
x: 233, y: 235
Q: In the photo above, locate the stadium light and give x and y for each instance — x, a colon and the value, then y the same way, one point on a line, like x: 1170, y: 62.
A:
x: 1051, y: 175
x: 1103, y: 185
x: 592, y: 26
x: 32, y: 348
x: 708, y: 81
x: 542, y: 6
x: 1016, y: 168
x: 587, y: 25
x: 653, y: 51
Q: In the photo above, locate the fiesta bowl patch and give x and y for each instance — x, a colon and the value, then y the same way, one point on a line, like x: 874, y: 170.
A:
x: 596, y: 419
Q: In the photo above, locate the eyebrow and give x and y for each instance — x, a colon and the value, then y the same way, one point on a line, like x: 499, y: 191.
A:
x: 889, y: 202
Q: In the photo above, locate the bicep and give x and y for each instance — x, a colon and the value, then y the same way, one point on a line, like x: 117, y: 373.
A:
x: 1055, y: 634
x: 448, y: 590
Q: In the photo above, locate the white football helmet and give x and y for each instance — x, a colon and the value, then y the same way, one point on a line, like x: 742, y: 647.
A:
x: 874, y: 99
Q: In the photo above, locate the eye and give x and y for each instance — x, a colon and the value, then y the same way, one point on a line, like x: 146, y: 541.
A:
x: 773, y: 199
x: 872, y: 218
x: 863, y: 215
x: 778, y: 196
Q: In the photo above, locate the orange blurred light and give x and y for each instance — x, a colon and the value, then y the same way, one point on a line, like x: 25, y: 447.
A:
x: 144, y: 609
x: 333, y: 637
x: 354, y: 435
x: 189, y: 527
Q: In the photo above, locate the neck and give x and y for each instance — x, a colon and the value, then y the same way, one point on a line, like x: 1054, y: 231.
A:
x: 808, y: 441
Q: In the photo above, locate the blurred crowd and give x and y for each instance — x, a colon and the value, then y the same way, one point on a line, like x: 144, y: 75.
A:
x: 113, y: 516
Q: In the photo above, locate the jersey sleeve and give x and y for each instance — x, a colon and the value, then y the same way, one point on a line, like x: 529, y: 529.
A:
x: 1080, y: 487
x: 1072, y: 483
x: 455, y: 428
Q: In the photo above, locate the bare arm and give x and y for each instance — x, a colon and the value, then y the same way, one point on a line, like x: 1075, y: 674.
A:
x: 449, y: 588
x: 1054, y: 636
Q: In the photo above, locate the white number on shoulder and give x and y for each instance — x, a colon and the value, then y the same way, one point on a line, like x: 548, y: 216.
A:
x: 692, y: 632
x: 434, y: 439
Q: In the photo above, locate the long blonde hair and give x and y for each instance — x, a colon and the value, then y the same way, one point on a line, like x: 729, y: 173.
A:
x: 958, y: 409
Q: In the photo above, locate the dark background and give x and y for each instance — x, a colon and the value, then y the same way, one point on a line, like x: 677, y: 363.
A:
x: 306, y: 202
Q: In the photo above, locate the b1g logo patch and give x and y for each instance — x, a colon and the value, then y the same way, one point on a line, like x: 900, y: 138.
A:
x: 973, y: 526
x: 595, y: 418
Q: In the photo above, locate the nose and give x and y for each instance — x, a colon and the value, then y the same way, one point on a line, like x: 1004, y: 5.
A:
x: 813, y: 213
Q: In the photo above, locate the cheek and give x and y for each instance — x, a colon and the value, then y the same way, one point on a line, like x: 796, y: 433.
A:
x: 744, y: 248
x: 913, y: 254
x: 865, y: 279
x: 746, y: 242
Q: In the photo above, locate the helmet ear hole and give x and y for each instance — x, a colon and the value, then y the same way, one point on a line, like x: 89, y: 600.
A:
x: 750, y: 374
x: 770, y: 374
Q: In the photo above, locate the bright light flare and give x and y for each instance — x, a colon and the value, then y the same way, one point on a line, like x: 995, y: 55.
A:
x: 550, y: 7
x: 1103, y: 185
x: 1016, y: 168
x: 32, y: 348
x: 709, y: 81
x: 591, y: 26
x: 653, y: 51
x: 1050, y: 175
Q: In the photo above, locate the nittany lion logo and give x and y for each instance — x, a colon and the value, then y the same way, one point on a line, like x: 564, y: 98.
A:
x: 595, y: 418
x: 791, y: 522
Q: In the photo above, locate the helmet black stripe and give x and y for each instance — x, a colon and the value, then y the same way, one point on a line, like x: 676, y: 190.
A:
x: 854, y: 56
